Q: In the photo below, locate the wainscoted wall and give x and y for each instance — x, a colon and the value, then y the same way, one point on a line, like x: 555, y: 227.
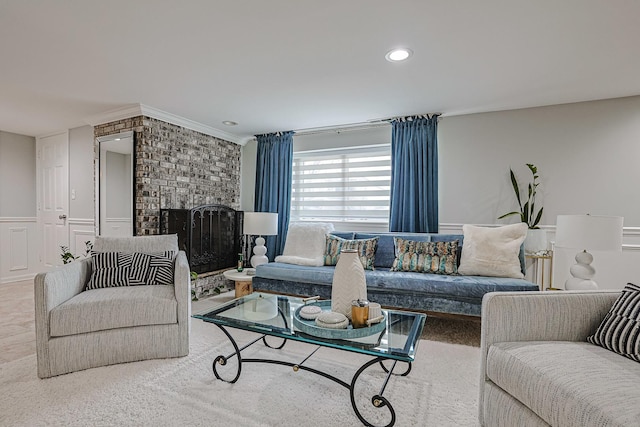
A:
x: 177, y: 167
x: 81, y: 230
x: 19, y: 248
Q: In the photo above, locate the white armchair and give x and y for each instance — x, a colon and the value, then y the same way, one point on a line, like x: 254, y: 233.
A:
x: 78, y: 329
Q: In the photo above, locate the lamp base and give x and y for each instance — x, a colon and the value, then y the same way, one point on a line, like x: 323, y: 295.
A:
x: 582, y: 273
x: 259, y: 253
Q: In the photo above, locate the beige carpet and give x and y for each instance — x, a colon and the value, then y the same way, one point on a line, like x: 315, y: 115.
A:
x: 441, y: 389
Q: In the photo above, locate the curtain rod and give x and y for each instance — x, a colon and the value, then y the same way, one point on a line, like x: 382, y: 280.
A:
x: 370, y: 124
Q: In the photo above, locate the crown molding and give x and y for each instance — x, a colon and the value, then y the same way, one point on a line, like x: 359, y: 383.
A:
x: 134, y: 110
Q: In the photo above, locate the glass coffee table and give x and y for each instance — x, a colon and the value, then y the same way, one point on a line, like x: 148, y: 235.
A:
x: 277, y: 316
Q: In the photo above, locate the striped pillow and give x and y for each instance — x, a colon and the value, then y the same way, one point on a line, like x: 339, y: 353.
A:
x: 112, y: 269
x: 620, y: 329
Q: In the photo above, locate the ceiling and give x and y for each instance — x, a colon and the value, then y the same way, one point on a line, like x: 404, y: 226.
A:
x: 283, y: 64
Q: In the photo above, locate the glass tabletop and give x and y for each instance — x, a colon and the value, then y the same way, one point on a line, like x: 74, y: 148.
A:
x: 274, y: 315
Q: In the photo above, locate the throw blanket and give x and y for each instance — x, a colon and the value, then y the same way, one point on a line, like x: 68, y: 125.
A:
x: 305, y: 244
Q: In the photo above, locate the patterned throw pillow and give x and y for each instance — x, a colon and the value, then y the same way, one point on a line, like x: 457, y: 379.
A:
x: 620, y: 329
x: 426, y: 257
x: 111, y: 269
x: 366, y: 250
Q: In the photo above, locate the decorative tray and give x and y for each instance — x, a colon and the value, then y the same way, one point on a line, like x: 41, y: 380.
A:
x: 310, y: 327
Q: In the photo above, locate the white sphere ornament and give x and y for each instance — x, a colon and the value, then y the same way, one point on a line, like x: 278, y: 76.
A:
x: 577, y: 284
x: 259, y: 253
x: 582, y: 273
x: 584, y: 257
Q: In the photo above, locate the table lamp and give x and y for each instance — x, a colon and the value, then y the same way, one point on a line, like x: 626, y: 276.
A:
x: 587, y: 232
x: 260, y: 224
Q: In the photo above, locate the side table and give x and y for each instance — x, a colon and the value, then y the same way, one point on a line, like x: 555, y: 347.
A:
x: 539, y: 261
x: 243, y: 283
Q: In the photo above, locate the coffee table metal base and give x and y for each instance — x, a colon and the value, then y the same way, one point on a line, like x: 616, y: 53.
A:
x: 378, y: 400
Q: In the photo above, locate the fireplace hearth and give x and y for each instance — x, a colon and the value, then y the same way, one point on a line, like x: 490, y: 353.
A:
x: 209, y: 234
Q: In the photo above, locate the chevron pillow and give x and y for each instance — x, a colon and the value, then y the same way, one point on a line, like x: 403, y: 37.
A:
x: 111, y: 269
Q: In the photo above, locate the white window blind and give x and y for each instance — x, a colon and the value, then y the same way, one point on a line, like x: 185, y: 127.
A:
x: 342, y: 185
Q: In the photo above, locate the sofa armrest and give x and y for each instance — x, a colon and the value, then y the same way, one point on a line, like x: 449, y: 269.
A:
x: 50, y: 290
x: 182, y: 287
x: 543, y: 316
x: 539, y: 316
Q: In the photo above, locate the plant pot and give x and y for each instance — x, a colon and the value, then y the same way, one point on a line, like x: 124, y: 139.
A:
x: 536, y: 240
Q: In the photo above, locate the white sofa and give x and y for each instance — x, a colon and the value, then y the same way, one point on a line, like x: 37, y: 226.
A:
x: 78, y: 329
x: 537, y: 369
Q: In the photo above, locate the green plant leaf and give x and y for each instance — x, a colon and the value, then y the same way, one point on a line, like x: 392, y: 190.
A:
x: 509, y: 214
x: 516, y: 188
x: 538, y: 217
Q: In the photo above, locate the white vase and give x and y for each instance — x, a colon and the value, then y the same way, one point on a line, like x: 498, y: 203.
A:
x: 536, y: 241
x: 349, y: 282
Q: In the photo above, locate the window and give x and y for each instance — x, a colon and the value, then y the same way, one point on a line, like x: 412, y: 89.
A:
x: 342, y: 185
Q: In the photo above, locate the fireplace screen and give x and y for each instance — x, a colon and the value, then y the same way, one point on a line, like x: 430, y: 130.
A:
x: 209, y: 234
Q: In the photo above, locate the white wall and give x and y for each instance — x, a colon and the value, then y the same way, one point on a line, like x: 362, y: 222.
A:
x: 585, y: 154
x: 81, y: 188
x: 18, y: 227
x: 19, y: 238
x: 81, y: 173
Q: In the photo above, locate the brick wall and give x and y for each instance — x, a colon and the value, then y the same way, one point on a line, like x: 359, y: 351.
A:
x: 177, y: 168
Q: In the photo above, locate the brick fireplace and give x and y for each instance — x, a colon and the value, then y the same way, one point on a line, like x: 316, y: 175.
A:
x: 177, y: 168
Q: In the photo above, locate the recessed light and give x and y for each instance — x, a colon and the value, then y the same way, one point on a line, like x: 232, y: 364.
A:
x: 229, y: 123
x: 397, y: 55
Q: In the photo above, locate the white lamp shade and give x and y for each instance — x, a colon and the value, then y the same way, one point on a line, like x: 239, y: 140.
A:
x: 589, y: 232
x: 260, y: 223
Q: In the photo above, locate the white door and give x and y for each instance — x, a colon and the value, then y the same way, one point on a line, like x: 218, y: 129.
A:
x: 53, y: 196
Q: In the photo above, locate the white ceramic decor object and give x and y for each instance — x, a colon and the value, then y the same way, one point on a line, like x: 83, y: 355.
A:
x: 349, y: 282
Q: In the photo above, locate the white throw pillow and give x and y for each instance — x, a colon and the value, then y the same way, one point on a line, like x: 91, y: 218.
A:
x: 492, y: 251
x: 305, y: 244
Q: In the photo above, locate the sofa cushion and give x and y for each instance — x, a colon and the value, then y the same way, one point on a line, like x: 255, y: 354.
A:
x: 492, y: 251
x: 385, y: 253
x: 568, y: 383
x: 110, y: 308
x: 620, y: 329
x: 111, y: 269
x: 426, y: 257
x: 471, y: 287
x: 366, y: 250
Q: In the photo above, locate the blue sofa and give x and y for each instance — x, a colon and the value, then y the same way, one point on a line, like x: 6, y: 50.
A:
x: 433, y: 293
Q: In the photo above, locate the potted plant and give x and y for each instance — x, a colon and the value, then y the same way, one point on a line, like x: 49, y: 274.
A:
x: 536, y: 240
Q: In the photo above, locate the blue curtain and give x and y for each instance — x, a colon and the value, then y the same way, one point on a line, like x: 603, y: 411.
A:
x: 274, y: 166
x: 414, y: 175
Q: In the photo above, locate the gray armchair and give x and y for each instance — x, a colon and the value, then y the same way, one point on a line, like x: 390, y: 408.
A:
x: 78, y: 329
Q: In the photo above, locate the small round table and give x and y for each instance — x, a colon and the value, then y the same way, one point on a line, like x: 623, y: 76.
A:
x: 243, y: 282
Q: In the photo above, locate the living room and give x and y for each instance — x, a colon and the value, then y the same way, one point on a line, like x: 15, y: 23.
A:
x: 558, y: 89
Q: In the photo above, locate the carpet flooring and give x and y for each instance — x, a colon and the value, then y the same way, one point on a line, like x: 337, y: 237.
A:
x: 441, y: 389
